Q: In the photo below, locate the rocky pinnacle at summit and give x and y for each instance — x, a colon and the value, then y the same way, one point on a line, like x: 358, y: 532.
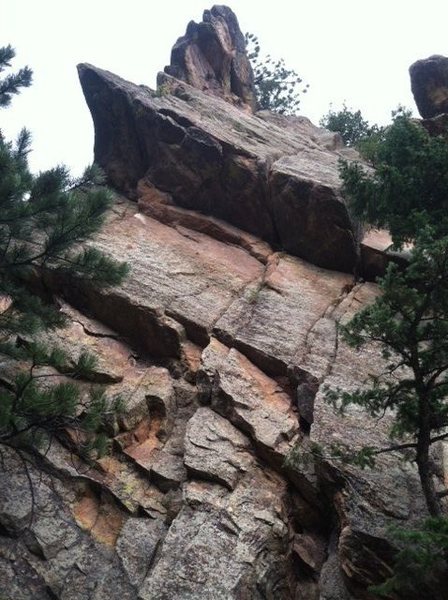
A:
x: 429, y: 82
x: 211, y: 56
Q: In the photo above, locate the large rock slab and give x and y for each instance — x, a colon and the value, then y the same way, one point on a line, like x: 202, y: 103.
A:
x: 221, y: 347
x: 265, y: 344
x: 277, y: 182
x: 250, y: 399
x: 276, y: 322
x: 211, y: 56
x: 429, y: 83
x: 195, y: 500
x: 181, y: 281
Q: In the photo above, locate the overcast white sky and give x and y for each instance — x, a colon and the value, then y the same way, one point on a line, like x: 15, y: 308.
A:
x: 353, y: 50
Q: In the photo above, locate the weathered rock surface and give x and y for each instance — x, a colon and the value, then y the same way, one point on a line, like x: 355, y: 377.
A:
x: 429, y: 83
x: 276, y: 182
x: 211, y: 56
x: 195, y: 500
x: 221, y: 347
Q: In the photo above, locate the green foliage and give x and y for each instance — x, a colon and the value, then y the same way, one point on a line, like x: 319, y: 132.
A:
x: 420, y: 567
x: 303, y: 455
x: 12, y: 83
x: 350, y: 124
x: 277, y: 87
x: 408, y: 194
x: 33, y: 409
x: 410, y: 321
x: 43, y: 220
x: 358, y: 133
x: 409, y: 188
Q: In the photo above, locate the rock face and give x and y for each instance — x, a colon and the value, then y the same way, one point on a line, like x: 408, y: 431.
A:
x: 429, y: 82
x: 221, y: 347
x: 211, y: 56
x: 275, y: 180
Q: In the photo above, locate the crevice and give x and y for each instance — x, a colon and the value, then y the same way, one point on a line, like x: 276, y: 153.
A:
x: 179, y: 119
x: 348, y: 291
x: 196, y: 333
x: 255, y: 287
x: 328, y: 313
x: 270, y: 161
x: 155, y: 555
x: 95, y: 334
x: 51, y: 594
x: 208, y: 477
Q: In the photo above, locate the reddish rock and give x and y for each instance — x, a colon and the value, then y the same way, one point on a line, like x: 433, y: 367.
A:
x: 221, y: 348
x: 276, y: 182
x: 212, y: 57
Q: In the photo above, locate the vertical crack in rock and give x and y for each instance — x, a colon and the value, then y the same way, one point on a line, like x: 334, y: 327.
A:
x: 332, y: 313
x: 245, y: 303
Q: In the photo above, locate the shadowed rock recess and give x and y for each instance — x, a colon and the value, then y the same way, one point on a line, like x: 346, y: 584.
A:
x: 220, y: 343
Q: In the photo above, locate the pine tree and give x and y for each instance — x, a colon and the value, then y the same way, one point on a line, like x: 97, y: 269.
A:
x: 12, y: 83
x: 44, y: 219
x: 408, y: 194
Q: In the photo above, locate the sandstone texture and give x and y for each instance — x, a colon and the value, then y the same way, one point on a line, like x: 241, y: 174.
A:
x: 429, y: 83
x: 221, y: 354
x: 278, y: 183
x: 221, y: 344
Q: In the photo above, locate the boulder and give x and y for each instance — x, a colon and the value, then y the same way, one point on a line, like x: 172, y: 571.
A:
x: 226, y: 544
x: 216, y: 450
x: 197, y: 498
x: 429, y: 83
x: 211, y: 56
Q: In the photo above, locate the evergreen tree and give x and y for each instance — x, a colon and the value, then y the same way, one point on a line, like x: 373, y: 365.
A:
x: 277, y: 88
x: 408, y: 194
x: 43, y: 220
x: 350, y: 124
x: 12, y: 83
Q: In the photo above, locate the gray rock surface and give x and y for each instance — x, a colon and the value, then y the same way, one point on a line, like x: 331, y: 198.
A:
x: 196, y: 500
x: 216, y: 450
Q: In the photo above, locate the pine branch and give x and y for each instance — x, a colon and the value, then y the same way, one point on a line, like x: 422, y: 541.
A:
x: 11, y: 85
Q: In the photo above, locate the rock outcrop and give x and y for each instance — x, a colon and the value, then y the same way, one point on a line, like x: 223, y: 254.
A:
x: 221, y: 345
x: 221, y: 350
x: 429, y: 82
x: 212, y: 57
x: 276, y: 182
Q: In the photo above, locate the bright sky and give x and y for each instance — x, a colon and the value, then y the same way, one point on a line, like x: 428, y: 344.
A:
x: 356, y: 51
